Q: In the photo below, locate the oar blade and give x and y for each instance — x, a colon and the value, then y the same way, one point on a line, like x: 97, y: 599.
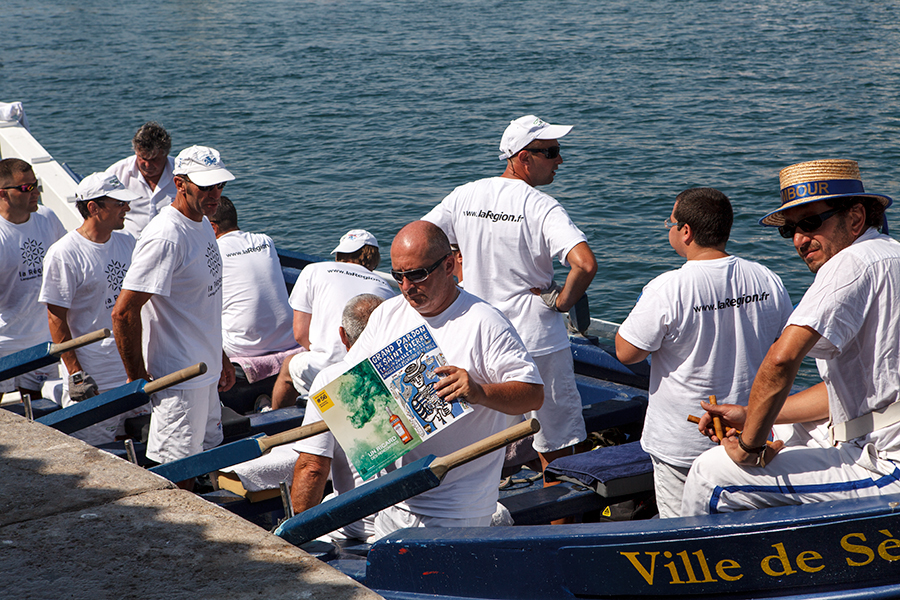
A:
x: 206, y: 462
x: 99, y: 408
x: 369, y: 498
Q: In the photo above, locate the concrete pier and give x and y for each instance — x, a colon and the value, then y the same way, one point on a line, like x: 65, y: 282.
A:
x: 76, y: 522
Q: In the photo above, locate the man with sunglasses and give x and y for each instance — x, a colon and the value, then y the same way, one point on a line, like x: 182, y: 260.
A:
x: 707, y: 327
x: 27, y: 230
x: 509, y: 232
x: 148, y: 174
x: 849, y: 321
x: 83, y: 275
x: 169, y: 313
x: 486, y: 363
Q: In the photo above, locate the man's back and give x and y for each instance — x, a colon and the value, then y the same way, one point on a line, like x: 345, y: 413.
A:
x: 708, y: 325
x: 256, y: 316
x: 509, y: 233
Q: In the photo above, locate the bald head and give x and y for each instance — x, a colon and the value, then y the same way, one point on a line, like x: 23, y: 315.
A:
x: 425, y: 239
x: 421, y: 251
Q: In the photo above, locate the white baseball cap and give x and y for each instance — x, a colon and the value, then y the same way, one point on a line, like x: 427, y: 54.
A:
x: 355, y: 239
x: 203, y: 165
x: 525, y: 130
x: 99, y: 185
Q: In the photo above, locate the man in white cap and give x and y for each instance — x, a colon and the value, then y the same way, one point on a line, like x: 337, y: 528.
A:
x: 849, y: 321
x: 172, y: 300
x: 27, y: 230
x: 509, y: 233
x: 147, y: 174
x: 320, y: 290
x: 83, y: 275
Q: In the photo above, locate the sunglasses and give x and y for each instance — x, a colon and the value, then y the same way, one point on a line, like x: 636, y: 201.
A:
x: 26, y: 187
x: 417, y: 275
x: 670, y: 224
x: 206, y: 188
x: 549, y: 153
x: 113, y: 201
x: 808, y: 225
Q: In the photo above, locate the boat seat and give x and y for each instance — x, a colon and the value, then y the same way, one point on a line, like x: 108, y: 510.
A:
x: 530, y: 503
x: 611, y: 471
x: 39, y: 407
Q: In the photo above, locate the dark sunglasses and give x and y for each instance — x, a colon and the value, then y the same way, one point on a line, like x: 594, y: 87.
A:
x: 113, y: 202
x: 808, y: 225
x: 206, y: 188
x: 417, y: 275
x: 26, y: 187
x: 549, y: 153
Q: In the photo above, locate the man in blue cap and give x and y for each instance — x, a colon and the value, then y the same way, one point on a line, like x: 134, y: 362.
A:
x: 849, y: 320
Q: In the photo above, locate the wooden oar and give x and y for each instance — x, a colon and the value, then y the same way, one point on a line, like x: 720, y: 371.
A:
x: 44, y: 354
x: 233, y: 453
x: 696, y: 420
x: 115, y: 402
x: 406, y: 482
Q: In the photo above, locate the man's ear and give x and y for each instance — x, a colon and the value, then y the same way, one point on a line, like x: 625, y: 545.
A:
x: 856, y: 219
x: 687, y: 234
x: 344, y: 339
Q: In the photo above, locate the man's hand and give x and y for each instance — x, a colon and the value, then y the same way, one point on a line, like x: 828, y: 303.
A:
x: 227, y: 377
x: 549, y: 295
x: 457, y: 385
x: 733, y: 417
x: 82, y: 386
x: 745, y: 459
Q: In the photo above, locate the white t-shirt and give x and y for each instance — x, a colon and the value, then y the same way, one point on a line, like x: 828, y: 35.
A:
x: 151, y: 201
x: 709, y: 325
x: 256, y: 316
x: 23, y: 320
x: 509, y: 233
x: 177, y: 260
x: 476, y: 337
x: 322, y: 290
x: 86, y: 278
x: 853, y: 305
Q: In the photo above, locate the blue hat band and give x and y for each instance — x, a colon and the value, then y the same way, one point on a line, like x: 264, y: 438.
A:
x: 829, y: 187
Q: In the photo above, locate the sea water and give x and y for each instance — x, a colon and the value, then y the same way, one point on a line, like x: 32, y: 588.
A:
x: 336, y: 115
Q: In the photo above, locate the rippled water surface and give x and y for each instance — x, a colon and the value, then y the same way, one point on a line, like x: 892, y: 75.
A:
x: 336, y: 114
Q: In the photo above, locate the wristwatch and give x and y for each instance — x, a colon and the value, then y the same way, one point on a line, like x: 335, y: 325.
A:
x: 78, y: 377
x: 760, y: 452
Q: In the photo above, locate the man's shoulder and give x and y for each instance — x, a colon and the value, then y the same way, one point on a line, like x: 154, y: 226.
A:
x: 123, y: 165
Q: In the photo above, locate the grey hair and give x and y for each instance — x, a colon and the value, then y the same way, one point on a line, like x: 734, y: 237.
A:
x: 356, y: 315
x: 153, y: 139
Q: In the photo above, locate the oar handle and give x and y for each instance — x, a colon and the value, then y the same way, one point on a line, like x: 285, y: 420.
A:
x: 292, y: 435
x: 81, y: 340
x: 443, y: 464
x: 174, y: 378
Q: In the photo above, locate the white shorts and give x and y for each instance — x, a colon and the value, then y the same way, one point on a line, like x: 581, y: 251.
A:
x: 562, y: 423
x: 796, y: 475
x: 32, y: 380
x: 395, y: 517
x: 304, y: 367
x: 184, y: 423
x: 668, y: 480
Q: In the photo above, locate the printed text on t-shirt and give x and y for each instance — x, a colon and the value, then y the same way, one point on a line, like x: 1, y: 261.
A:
x: 733, y: 302
x: 486, y: 214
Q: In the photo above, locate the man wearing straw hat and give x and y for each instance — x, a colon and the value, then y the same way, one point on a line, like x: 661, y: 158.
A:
x: 509, y: 233
x: 707, y: 326
x: 170, y: 311
x: 849, y: 321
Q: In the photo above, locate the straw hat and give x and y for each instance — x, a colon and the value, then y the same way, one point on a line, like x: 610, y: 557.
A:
x: 818, y: 180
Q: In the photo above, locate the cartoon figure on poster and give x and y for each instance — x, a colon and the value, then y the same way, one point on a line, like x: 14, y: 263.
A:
x: 415, y: 385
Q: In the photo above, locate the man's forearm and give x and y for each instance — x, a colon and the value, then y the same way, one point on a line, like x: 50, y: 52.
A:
x: 57, y: 318
x: 127, y: 330
x: 512, y: 397
x: 584, y: 267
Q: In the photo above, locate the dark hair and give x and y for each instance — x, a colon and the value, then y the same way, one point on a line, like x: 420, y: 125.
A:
x: 152, y: 139
x: 874, y: 208
x: 9, y: 167
x: 225, y: 216
x: 708, y: 212
x: 367, y: 256
x: 81, y: 205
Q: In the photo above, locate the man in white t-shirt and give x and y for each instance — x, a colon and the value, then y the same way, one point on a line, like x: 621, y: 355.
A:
x: 256, y: 316
x: 849, y: 321
x: 320, y: 292
x: 509, y: 233
x: 27, y: 230
x: 490, y: 368
x: 707, y: 326
x: 319, y: 455
x: 147, y: 174
x: 83, y: 275
x: 169, y: 312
